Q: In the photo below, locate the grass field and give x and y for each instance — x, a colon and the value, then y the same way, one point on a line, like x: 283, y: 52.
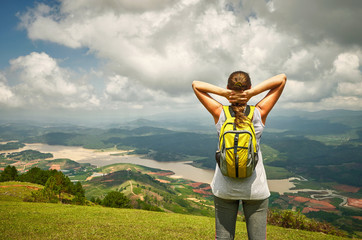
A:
x: 16, y: 191
x: 21, y: 220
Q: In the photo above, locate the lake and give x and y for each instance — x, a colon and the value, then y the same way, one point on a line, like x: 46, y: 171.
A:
x: 102, y: 158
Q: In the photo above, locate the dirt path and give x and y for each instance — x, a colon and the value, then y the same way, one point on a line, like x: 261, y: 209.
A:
x: 130, y: 182
x: 30, y: 187
x: 140, y: 196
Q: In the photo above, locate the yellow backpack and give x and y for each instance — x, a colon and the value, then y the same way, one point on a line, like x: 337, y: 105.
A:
x: 238, y: 150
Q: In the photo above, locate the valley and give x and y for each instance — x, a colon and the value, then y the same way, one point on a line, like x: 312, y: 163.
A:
x: 101, y: 158
x: 314, y: 170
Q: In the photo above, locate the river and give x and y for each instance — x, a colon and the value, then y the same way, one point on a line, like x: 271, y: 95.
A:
x: 100, y: 158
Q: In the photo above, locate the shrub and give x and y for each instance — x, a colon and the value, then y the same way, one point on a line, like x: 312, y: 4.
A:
x: 42, y: 195
x: 116, y: 200
x: 56, y: 184
x: 296, y: 220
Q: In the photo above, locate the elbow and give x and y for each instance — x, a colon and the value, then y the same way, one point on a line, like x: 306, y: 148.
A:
x: 283, y: 78
x: 194, y: 84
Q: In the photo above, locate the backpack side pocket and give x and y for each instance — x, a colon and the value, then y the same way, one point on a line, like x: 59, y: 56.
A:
x: 217, y: 157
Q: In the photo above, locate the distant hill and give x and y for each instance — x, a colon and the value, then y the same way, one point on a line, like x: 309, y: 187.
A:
x: 188, y: 125
x: 324, y: 146
x: 304, y: 126
x: 58, y: 221
x: 350, y: 119
x: 143, y: 130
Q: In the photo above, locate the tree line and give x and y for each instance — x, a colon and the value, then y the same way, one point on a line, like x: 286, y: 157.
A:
x: 57, y: 186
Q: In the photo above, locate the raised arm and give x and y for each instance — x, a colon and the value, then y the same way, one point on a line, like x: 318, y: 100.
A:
x: 202, y: 90
x: 275, y: 85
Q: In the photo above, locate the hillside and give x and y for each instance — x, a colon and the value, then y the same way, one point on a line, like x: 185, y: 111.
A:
x: 57, y: 221
x: 150, y: 188
x: 17, y: 191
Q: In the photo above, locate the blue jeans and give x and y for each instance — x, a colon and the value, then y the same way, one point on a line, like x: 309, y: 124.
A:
x: 255, y: 212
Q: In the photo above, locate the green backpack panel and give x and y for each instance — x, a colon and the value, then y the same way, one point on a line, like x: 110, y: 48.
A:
x: 238, y: 150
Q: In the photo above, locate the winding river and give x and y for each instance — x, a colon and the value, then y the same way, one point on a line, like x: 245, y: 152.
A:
x: 181, y: 169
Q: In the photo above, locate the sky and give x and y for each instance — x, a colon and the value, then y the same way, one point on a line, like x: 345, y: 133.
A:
x: 125, y: 59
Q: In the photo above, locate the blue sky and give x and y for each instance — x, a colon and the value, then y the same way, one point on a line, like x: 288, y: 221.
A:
x: 14, y: 41
x: 127, y: 59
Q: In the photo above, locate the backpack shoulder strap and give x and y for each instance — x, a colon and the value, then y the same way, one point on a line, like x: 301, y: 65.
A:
x: 228, y: 112
x: 249, y: 112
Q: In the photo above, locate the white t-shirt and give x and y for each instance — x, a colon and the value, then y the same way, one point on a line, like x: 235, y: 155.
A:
x: 254, y: 187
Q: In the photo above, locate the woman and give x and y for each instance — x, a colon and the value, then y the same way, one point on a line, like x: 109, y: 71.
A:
x: 252, y: 192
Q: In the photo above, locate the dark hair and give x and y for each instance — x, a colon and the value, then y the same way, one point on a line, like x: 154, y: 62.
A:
x: 239, y: 81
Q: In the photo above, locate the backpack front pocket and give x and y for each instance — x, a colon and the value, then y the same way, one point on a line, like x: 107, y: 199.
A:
x: 235, y: 154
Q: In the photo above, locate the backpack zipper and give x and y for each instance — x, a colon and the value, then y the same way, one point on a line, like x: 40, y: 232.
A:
x: 236, y: 155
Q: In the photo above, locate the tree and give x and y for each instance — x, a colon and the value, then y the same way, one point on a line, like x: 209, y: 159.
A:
x: 10, y: 173
x: 55, y: 183
x: 78, y: 188
x: 78, y: 192
x: 116, y: 200
x: 53, y: 186
x: 36, y: 175
x: 64, y: 183
x: 96, y: 200
x: 48, y: 193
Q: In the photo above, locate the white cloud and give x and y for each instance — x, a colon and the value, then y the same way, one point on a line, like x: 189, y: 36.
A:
x: 350, y: 89
x: 338, y: 87
x: 312, y: 21
x: 270, y: 6
x: 6, y: 94
x: 300, y: 61
x: 121, y: 93
x: 154, y: 50
x: 40, y: 73
x: 346, y: 67
x: 348, y: 76
x: 117, y: 87
x: 41, y: 83
x: 158, y: 48
x: 97, y: 7
x: 341, y: 102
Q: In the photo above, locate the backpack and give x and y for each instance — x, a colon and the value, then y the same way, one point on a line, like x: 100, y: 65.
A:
x: 238, y: 150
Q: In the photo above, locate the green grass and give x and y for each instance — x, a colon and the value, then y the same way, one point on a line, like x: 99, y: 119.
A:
x: 277, y: 172
x: 12, y: 192
x: 270, y: 154
x: 57, y: 221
